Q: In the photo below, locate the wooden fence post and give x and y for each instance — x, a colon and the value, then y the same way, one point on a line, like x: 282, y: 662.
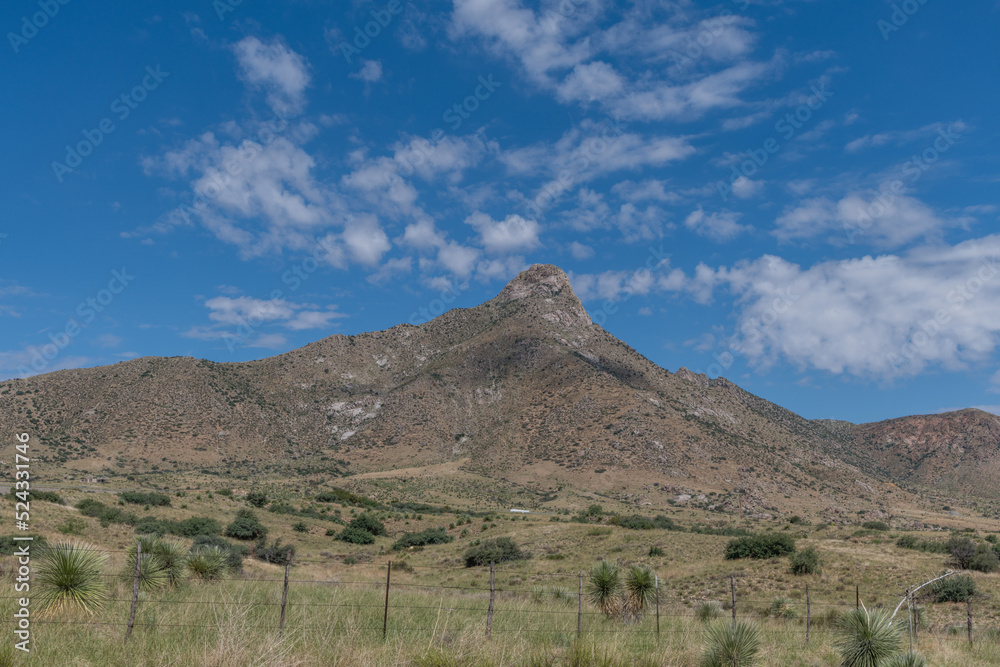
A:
x: 135, y: 590
x: 385, y: 618
x: 657, y: 607
x: 968, y: 611
x: 579, y: 608
x: 808, y: 614
x: 489, y: 614
x: 857, y: 596
x: 732, y: 585
x: 284, y: 597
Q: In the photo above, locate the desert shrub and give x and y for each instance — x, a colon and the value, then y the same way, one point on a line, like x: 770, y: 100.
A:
x: 106, y: 515
x: 345, y: 497
x: 353, y: 535
x: 196, y: 525
x: 275, y: 553
x: 138, y: 498
x: 149, y: 525
x: 984, y: 560
x: 34, y: 494
x: 72, y: 526
x: 805, y: 561
x: 958, y: 588
x: 369, y: 523
x: 425, y: 537
x: 764, y: 546
x: 656, y: 551
x: 875, y: 525
x: 246, y: 526
x: 225, y: 492
x: 639, y: 522
x: 300, y: 527
x: 867, y: 637
x: 498, y: 550
x: 782, y: 607
x: 257, y: 498
x: 928, y: 546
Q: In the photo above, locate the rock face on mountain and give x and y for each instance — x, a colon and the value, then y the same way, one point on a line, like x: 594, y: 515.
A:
x: 524, y: 386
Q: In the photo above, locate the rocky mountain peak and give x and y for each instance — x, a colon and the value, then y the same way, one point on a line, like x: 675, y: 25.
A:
x: 549, y: 287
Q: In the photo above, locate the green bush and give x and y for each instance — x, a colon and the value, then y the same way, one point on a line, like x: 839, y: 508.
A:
x: 9, y: 546
x: 805, y: 561
x: 137, y: 498
x: 639, y: 522
x: 300, y: 527
x: 353, y: 535
x: 423, y: 538
x: 276, y: 553
x: 232, y: 553
x: 246, y: 526
x: 345, y: 497
x: 369, y: 523
x: 34, y: 494
x: 257, y: 498
x: 196, y: 525
x: 498, y: 550
x: 764, y: 546
x: 656, y: 551
x: 957, y: 588
x: 875, y: 525
x: 984, y: 560
x: 928, y: 546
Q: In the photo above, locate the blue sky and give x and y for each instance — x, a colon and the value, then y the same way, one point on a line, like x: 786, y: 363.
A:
x: 798, y: 195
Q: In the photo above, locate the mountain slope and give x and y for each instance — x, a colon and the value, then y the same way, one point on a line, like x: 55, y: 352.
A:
x: 523, y: 387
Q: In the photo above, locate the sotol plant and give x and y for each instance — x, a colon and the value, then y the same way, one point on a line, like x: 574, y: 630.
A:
x: 731, y: 644
x: 604, y: 588
x: 867, y: 638
x: 640, y: 591
x: 69, y: 576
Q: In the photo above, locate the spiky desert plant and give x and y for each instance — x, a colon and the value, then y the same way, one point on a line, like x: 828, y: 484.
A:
x: 640, y: 591
x: 69, y: 576
x: 867, y: 638
x: 173, y: 558
x: 781, y: 607
x: 906, y: 660
x: 152, y: 573
x: 604, y: 587
x: 207, y: 563
x: 708, y: 611
x: 731, y: 644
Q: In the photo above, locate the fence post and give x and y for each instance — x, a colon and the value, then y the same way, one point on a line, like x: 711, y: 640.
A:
x: 579, y: 608
x: 385, y: 618
x: 857, y: 596
x: 657, y: 607
x: 284, y: 597
x: 489, y: 614
x: 808, y: 614
x: 968, y: 611
x: 732, y: 585
x: 909, y: 616
x: 135, y: 590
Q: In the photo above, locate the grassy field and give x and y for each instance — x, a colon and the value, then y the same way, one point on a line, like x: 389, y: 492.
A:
x: 438, y: 607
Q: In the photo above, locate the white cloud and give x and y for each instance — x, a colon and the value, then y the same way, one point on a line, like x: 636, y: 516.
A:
x: 719, y: 227
x: 370, y: 72
x: 873, y: 317
x: 366, y: 241
x: 227, y: 311
x: 458, y: 259
x: 887, y: 219
x: 744, y: 188
x: 580, y: 251
x: 512, y: 234
x: 282, y: 73
x: 109, y: 340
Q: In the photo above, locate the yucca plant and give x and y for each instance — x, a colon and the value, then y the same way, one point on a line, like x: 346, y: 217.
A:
x: 604, y: 588
x: 906, y: 660
x: 708, y: 611
x: 640, y: 591
x: 207, y: 563
x: 69, y: 576
x: 782, y: 607
x: 731, y: 644
x: 867, y: 638
x: 152, y: 573
x: 173, y: 558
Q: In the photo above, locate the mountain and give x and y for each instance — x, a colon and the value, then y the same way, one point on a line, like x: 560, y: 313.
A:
x: 523, y: 388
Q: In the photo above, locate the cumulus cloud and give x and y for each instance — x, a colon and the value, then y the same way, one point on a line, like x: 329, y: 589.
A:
x: 512, y: 234
x: 370, y: 72
x: 719, y: 227
x: 279, y: 71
